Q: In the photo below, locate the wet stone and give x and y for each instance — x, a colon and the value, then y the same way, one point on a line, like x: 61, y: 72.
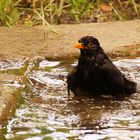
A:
x: 10, y: 64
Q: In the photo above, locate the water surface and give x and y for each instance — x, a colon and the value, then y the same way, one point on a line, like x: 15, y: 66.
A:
x: 47, y: 114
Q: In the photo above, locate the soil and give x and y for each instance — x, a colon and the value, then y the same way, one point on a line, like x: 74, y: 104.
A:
x: 21, y: 41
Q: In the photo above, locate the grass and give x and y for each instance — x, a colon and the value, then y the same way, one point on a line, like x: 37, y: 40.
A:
x: 78, y: 9
x: 8, y: 12
x: 66, y: 11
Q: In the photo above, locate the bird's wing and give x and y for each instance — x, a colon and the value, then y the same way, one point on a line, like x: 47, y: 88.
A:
x: 72, y: 80
x: 109, y: 71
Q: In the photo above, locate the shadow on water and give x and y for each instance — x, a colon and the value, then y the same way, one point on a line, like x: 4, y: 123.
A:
x: 47, y: 114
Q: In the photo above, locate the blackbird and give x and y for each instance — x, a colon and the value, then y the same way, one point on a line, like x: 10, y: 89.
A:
x: 96, y: 75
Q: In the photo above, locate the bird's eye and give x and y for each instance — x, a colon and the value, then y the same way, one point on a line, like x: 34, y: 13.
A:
x: 90, y: 45
x: 79, y: 41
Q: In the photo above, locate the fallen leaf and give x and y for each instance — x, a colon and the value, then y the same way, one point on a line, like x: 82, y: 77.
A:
x: 106, y: 8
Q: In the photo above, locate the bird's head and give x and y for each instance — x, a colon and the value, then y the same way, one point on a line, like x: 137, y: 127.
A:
x: 88, y: 44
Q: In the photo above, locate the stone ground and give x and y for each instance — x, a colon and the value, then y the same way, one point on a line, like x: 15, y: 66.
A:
x: 22, y: 41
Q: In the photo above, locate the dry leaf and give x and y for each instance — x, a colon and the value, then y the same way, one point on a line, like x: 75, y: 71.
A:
x: 106, y: 8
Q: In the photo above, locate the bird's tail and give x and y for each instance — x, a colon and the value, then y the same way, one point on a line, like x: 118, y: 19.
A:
x: 138, y: 88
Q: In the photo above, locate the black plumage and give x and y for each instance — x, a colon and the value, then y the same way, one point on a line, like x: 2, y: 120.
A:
x: 95, y: 73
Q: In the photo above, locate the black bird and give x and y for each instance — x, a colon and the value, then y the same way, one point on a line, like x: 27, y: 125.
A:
x: 96, y: 75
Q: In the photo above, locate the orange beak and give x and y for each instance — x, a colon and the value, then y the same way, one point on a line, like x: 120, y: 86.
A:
x: 79, y: 46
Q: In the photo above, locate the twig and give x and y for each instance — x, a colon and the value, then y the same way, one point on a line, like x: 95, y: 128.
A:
x: 115, y: 10
x: 46, y: 22
x: 135, y: 6
x: 60, y: 7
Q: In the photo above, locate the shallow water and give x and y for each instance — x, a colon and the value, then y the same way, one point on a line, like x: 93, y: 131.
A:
x: 47, y: 114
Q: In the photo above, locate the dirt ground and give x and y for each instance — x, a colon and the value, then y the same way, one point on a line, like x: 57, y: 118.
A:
x: 22, y: 41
